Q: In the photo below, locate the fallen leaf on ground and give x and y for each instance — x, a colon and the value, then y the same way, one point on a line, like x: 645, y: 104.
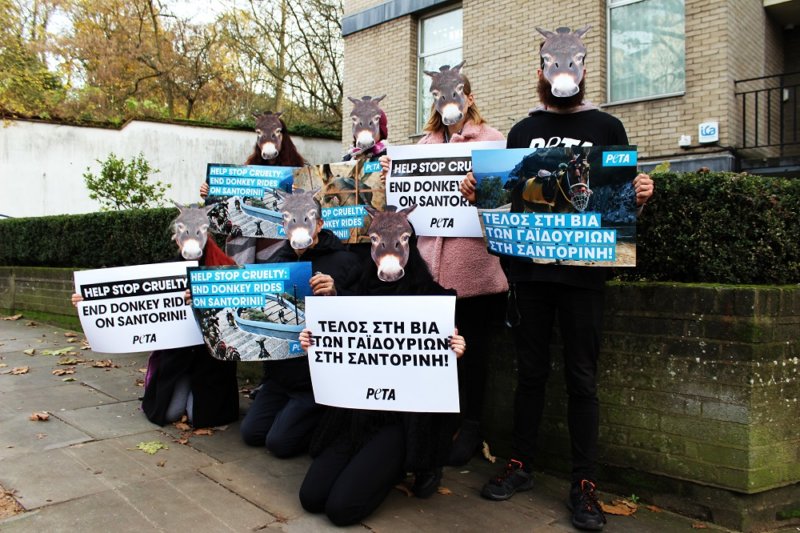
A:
x: 72, y: 339
x: 182, y: 440
x: 60, y: 351
x: 203, y: 431
x: 699, y: 525
x: 487, y: 453
x: 151, y: 447
x: 12, y: 317
x: 183, y: 426
x: 161, y: 463
x: 29, y: 351
x: 19, y: 370
x: 402, y: 487
x: 40, y: 436
x: 31, y: 324
x: 140, y: 383
x: 8, y: 505
x: 70, y: 361
x: 3, y: 365
x: 40, y: 416
x: 70, y: 334
x: 444, y: 491
x: 104, y: 363
x: 143, y: 370
x: 68, y: 379
x: 619, y: 507
x: 653, y: 509
x: 85, y: 345
x: 63, y: 371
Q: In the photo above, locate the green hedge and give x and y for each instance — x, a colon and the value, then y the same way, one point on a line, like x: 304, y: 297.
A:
x: 709, y: 228
x: 89, y: 241
x: 720, y: 228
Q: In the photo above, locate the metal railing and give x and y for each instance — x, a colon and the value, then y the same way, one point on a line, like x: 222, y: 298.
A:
x: 769, y: 108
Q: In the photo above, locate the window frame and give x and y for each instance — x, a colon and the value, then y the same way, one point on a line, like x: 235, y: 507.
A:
x: 614, y: 4
x: 420, y: 117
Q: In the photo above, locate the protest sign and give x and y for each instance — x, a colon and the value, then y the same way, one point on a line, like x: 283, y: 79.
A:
x: 251, y: 312
x: 428, y: 176
x: 344, y: 189
x: 388, y: 353
x: 246, y: 201
x: 136, y: 308
x: 571, y: 206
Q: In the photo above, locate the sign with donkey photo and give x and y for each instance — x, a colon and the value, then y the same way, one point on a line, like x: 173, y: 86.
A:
x: 251, y: 312
x: 344, y: 190
x: 136, y: 308
x: 571, y: 206
x: 388, y: 353
x: 429, y: 176
x: 247, y: 199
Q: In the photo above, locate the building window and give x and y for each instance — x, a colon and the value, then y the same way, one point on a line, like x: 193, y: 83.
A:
x: 646, y: 49
x: 440, y: 38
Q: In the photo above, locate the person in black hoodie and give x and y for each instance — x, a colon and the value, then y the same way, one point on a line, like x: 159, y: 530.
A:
x: 360, y: 455
x: 283, y: 414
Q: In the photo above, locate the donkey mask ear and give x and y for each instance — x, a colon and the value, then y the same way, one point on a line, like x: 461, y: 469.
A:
x: 407, y: 211
x: 354, y: 100
x: 371, y: 210
x: 378, y: 99
x: 546, y: 33
x: 580, y: 32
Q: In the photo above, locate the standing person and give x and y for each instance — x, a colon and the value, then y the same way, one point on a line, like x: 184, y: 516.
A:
x: 542, y: 292
x: 283, y: 414
x: 360, y: 455
x: 462, y: 263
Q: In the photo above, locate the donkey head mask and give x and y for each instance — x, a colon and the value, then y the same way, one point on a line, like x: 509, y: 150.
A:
x: 447, y: 87
x: 390, y: 232
x: 190, y: 230
x: 562, y: 54
x: 270, y: 134
x: 301, y: 214
x: 367, y: 117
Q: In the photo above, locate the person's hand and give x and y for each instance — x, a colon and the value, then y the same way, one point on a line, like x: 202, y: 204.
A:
x: 467, y: 187
x: 322, y: 285
x: 643, y: 186
x: 187, y: 297
x: 458, y: 344
x: 306, y: 339
x: 385, y: 162
x: 203, y: 190
x: 76, y: 298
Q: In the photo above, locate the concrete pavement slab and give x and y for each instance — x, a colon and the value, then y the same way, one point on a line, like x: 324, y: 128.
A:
x: 68, y: 473
x: 57, y: 398
x: 225, y: 446
x: 278, y: 495
x: 20, y: 436
x: 315, y: 523
x: 183, y: 502
x: 109, y: 421
x: 119, y: 383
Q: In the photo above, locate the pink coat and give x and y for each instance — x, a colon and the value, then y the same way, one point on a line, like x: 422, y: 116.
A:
x: 462, y: 263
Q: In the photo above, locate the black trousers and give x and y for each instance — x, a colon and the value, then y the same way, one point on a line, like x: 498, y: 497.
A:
x: 348, y: 486
x: 281, y: 419
x: 580, y: 317
x: 477, y: 318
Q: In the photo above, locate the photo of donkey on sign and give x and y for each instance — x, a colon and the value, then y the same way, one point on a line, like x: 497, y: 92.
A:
x: 594, y: 182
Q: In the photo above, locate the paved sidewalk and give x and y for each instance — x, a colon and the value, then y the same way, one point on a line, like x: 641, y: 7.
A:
x: 81, y: 471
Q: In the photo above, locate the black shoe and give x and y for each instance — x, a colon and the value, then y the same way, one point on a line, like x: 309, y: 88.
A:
x: 586, y: 511
x: 514, y: 478
x: 466, y: 444
x: 426, y: 483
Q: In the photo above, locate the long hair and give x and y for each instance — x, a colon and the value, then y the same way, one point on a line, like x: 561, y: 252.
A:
x: 287, y: 157
x: 435, y: 123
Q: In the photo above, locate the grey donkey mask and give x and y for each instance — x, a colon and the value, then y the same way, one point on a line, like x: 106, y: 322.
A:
x: 562, y: 55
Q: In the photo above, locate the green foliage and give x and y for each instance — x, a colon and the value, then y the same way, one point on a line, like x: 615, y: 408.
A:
x: 93, y: 240
x: 122, y: 185
x: 719, y: 228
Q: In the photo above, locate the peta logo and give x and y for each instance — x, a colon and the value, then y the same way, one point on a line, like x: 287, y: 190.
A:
x: 619, y: 159
x: 372, y: 166
x: 380, y: 394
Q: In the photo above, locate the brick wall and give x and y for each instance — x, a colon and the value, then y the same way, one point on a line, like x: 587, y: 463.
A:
x: 726, y: 40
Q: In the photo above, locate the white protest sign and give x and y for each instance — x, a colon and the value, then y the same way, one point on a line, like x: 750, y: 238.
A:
x: 136, y: 308
x: 383, y: 352
x: 428, y: 176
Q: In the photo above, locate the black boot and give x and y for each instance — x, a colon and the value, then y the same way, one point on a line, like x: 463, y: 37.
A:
x: 466, y: 444
x: 426, y: 482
